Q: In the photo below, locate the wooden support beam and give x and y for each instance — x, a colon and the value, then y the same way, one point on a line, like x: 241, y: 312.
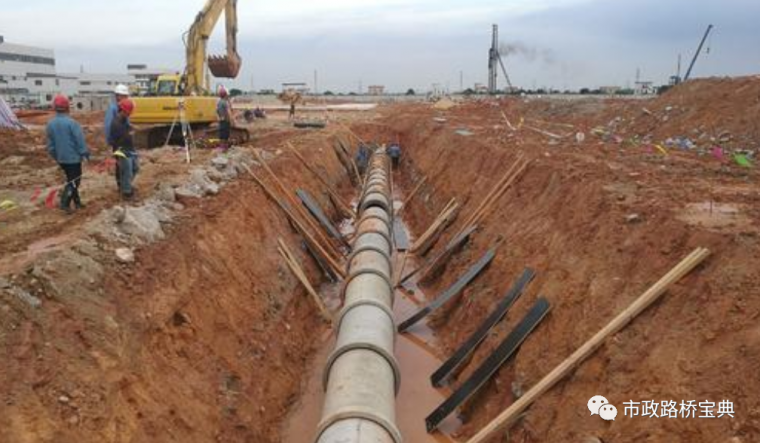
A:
x: 292, y: 263
x: 434, y: 231
x: 411, y: 196
x: 344, y: 208
x: 490, y: 196
x: 334, y: 265
x: 299, y: 209
x: 587, y: 349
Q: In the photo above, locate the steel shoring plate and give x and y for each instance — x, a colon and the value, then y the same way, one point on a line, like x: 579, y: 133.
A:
x: 317, y: 212
x: 451, y: 291
x: 466, y: 349
x: 399, y: 234
x: 491, y: 364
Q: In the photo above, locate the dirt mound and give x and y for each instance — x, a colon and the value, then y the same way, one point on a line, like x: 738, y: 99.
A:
x: 600, y: 223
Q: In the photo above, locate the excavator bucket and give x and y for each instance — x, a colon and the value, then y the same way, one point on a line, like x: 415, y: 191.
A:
x: 224, y: 66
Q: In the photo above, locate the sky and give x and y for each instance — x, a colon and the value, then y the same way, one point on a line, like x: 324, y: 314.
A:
x: 561, y: 44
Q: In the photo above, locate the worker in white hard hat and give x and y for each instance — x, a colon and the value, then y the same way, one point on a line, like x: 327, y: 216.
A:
x: 121, y: 92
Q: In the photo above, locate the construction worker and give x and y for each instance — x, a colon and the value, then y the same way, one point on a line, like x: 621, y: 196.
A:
x: 120, y: 93
x: 362, y: 158
x: 127, y: 164
x: 66, y: 144
x: 394, y: 151
x: 224, y: 112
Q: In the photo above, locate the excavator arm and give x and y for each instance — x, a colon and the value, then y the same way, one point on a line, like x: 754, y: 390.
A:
x: 227, y: 66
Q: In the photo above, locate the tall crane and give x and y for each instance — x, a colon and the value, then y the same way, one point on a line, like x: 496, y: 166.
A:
x: 191, y: 89
x: 699, y: 51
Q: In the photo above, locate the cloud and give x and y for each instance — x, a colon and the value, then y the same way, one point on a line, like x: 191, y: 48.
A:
x: 401, y: 44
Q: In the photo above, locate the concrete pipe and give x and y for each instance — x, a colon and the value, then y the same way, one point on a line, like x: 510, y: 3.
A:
x: 375, y: 225
x: 378, y: 213
x: 361, y: 385
x: 371, y: 241
x: 375, y: 199
x: 372, y: 262
x: 362, y: 375
x: 366, y: 327
x: 367, y: 289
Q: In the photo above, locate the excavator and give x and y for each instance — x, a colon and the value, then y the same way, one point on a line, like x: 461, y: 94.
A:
x: 188, y: 96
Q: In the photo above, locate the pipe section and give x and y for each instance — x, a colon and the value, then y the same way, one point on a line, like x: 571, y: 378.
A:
x: 362, y: 375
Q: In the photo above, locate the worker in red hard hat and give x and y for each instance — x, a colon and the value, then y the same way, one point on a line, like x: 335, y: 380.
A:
x: 224, y: 113
x: 127, y: 162
x: 66, y: 144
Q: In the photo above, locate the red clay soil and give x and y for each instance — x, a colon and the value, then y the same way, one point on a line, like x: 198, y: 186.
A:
x: 205, y: 338
x: 567, y: 218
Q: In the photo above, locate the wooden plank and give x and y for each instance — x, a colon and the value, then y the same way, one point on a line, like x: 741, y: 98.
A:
x: 439, y: 259
x: 453, y: 290
x: 310, y: 241
x: 411, y: 195
x: 292, y: 263
x: 477, y: 337
x: 299, y: 210
x: 345, y: 208
x: 436, y: 228
x: 316, y: 211
x: 563, y: 369
x: 491, y: 364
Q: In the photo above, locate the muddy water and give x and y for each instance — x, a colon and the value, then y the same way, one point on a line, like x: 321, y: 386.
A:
x: 418, y: 398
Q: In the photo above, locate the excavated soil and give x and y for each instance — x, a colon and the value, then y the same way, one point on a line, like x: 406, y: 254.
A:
x: 600, y: 221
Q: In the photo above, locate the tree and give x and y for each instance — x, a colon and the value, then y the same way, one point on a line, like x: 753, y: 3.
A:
x: 585, y: 91
x: 329, y: 93
x: 410, y: 91
x: 469, y: 91
x: 234, y: 92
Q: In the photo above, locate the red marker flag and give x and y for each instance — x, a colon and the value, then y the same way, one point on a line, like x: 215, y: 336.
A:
x: 50, y: 199
x: 35, y: 195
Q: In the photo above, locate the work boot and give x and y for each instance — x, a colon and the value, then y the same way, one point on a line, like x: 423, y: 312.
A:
x: 65, y: 202
x: 78, y: 202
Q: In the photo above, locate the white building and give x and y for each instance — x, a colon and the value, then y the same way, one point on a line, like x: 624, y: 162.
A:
x: 28, y: 76
x: 86, y: 83
x: 27, y: 73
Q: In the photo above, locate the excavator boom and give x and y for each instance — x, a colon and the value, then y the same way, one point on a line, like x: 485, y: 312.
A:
x: 226, y: 66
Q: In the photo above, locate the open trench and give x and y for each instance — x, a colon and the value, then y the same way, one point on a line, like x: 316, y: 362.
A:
x: 209, y: 336
x: 416, y: 355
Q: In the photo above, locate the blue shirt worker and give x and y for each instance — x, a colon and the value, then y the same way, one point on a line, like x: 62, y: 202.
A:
x: 394, y: 151
x: 120, y: 93
x: 66, y: 144
x: 127, y: 165
x: 362, y: 158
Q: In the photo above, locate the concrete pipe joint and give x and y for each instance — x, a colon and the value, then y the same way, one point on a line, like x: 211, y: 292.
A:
x: 376, y: 199
x: 377, y: 213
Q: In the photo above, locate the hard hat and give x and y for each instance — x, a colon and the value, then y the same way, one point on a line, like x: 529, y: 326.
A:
x: 222, y: 92
x: 61, y: 103
x: 127, y: 106
x: 121, y: 90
